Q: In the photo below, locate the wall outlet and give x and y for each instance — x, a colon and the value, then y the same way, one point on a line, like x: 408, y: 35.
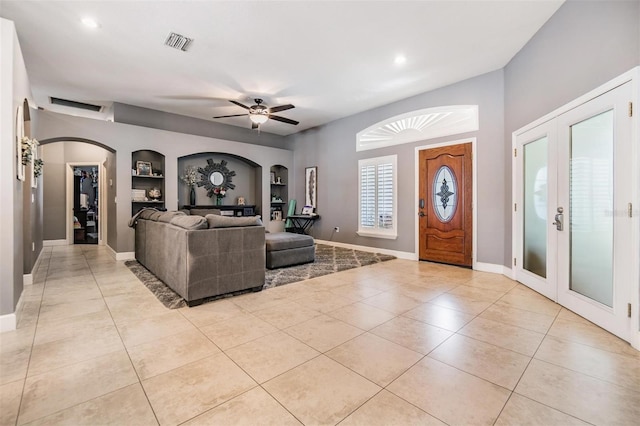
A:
x: 337, y: 229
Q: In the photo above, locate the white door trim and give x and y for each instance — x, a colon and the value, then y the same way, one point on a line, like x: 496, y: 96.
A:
x: 474, y: 197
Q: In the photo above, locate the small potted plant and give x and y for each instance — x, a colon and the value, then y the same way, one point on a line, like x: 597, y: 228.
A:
x: 219, y: 192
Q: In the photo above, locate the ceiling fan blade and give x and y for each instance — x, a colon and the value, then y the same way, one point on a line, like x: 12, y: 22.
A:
x: 234, y: 115
x: 239, y: 104
x: 254, y: 125
x: 284, y: 120
x: 281, y: 108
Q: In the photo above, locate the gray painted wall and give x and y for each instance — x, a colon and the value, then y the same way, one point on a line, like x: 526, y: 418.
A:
x: 56, y: 155
x: 125, y: 139
x: 332, y: 148
x: 583, y: 45
x: 138, y: 116
x: 14, y: 86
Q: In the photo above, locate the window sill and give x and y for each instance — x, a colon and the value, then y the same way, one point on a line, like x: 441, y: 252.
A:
x: 373, y: 234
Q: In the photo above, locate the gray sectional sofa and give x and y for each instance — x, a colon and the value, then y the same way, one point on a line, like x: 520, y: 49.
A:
x: 200, y: 257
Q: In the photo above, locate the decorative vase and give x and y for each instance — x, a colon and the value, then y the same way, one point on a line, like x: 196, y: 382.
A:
x: 192, y: 196
x: 155, y: 194
x: 218, y: 201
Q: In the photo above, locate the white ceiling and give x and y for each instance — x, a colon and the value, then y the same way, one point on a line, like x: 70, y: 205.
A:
x: 331, y: 59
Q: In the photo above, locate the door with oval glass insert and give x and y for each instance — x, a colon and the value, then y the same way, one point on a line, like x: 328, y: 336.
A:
x: 445, y: 216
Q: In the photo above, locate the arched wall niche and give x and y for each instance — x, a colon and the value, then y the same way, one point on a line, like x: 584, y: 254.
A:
x: 247, y: 179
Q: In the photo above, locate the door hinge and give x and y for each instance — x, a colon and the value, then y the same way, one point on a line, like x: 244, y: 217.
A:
x: 630, y: 109
x: 514, y: 261
x: 515, y: 152
x: 628, y: 310
x: 515, y: 207
x: 630, y: 209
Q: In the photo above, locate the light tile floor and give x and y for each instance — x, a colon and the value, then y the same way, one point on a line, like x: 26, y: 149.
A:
x: 394, y: 343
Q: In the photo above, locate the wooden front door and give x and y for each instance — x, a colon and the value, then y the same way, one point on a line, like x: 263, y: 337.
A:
x: 445, y: 205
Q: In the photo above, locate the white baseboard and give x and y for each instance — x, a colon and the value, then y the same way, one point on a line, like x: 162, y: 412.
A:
x: 125, y: 255
x: 27, y: 279
x: 52, y: 243
x: 8, y: 322
x: 489, y: 267
x: 398, y: 254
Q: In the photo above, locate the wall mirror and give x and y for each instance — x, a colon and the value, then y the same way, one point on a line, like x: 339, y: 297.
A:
x: 216, y: 176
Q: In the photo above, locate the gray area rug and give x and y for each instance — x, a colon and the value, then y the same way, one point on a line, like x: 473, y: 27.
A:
x: 329, y: 259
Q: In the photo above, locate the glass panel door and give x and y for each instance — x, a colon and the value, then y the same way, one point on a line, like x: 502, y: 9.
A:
x: 535, y: 164
x: 534, y: 256
x: 594, y: 173
x: 591, y: 208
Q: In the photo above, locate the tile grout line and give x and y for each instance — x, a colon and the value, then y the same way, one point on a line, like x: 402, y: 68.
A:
x: 33, y: 340
x: 144, y: 391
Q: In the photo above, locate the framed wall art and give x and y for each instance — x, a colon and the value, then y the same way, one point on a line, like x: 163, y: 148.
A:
x: 311, y: 186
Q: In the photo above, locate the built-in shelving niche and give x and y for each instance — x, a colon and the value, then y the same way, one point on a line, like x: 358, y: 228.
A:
x: 146, y: 179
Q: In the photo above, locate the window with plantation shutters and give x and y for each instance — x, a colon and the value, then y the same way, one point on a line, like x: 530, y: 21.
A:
x: 377, y: 191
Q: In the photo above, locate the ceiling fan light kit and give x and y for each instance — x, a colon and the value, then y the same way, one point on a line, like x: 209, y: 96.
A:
x: 260, y: 113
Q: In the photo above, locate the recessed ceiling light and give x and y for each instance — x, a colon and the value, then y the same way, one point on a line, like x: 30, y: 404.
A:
x: 89, y: 22
x: 400, y: 60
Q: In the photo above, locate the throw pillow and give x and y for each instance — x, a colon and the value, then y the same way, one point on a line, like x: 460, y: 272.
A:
x: 189, y: 222
x: 216, y: 221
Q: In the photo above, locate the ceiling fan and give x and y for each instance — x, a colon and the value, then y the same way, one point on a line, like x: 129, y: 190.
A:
x: 260, y: 113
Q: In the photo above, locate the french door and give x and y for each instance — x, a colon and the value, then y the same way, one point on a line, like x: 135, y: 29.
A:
x: 573, y: 226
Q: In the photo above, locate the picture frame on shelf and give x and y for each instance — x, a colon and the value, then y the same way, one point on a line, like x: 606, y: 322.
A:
x: 273, y: 177
x: 143, y: 168
x: 307, y: 210
x: 311, y: 186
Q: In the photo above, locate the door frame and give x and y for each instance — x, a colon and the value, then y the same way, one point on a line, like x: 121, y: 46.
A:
x: 102, y: 199
x: 487, y: 267
x: 632, y: 76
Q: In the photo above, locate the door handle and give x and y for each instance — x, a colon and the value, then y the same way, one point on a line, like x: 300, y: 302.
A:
x: 559, y: 219
x: 421, y: 214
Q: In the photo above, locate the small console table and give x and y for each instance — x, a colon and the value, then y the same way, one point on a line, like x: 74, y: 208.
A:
x: 229, y: 210
x: 301, y: 222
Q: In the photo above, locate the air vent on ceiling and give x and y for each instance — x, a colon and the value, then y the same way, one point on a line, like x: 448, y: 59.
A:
x: 75, y: 104
x: 178, y: 41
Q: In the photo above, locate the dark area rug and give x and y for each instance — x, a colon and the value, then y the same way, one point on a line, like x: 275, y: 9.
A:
x: 329, y: 259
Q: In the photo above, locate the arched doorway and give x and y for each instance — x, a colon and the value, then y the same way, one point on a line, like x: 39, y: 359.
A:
x: 78, y: 191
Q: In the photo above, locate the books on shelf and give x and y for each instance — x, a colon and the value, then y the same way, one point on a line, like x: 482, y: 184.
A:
x: 138, y: 195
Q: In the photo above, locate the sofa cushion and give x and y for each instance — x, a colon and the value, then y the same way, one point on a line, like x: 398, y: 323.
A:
x: 189, y: 222
x: 216, y: 221
x: 276, y: 241
x: 167, y: 216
